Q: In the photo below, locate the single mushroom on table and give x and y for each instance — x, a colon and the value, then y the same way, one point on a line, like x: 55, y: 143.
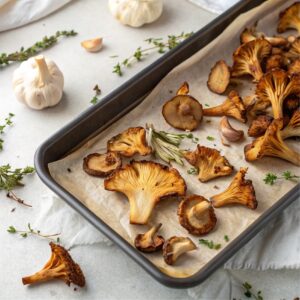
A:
x: 196, y: 215
x: 289, y: 18
x: 183, y: 111
x: 144, y: 183
x: 130, y: 142
x: 209, y: 162
x: 175, y: 247
x: 101, y: 165
x: 219, y: 77
x: 60, y: 266
x: 271, y: 144
x: 240, y: 191
x: 149, y: 241
x: 233, y: 107
x: 248, y: 57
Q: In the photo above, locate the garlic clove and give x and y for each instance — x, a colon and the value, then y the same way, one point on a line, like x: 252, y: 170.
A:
x: 93, y: 45
x: 228, y: 132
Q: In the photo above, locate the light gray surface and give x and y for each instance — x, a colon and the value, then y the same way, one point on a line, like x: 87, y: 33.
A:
x: 110, y: 274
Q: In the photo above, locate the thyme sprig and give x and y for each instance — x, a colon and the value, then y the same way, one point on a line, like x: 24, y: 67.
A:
x: 271, y: 178
x: 157, y: 44
x: 249, y: 293
x: 7, y: 122
x: 24, y: 54
x: 31, y: 231
x: 98, y: 91
x: 210, y: 244
x: 11, y: 195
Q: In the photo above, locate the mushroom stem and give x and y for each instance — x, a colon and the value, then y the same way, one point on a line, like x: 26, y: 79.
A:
x: 198, y: 209
x: 43, y: 70
x: 149, y: 235
x: 184, y: 89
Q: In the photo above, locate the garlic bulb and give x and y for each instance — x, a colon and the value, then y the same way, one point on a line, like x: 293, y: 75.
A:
x: 38, y: 83
x: 228, y: 132
x: 136, y: 13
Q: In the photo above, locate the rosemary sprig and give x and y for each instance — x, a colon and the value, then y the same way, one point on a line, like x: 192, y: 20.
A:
x: 7, y: 122
x: 271, y: 178
x: 249, y: 294
x: 210, y: 244
x: 95, y: 99
x: 30, y: 231
x: 24, y: 54
x: 157, y: 44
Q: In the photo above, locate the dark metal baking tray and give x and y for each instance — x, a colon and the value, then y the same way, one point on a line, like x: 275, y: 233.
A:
x: 116, y: 105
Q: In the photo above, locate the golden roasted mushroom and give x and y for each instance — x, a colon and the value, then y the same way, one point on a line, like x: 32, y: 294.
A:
x: 209, y: 162
x: 130, y: 142
x: 274, y: 62
x: 219, y: 77
x: 259, y: 125
x: 294, y: 67
x: 60, y: 266
x: 175, y: 247
x: 291, y: 104
x: 271, y: 144
x: 240, y: 191
x: 275, y: 86
x: 144, y: 183
x: 292, y: 129
x: 196, y: 215
x: 149, y: 241
x: 294, y: 51
x: 183, y: 111
x: 101, y: 165
x: 247, y: 58
x: 233, y: 107
x: 289, y: 18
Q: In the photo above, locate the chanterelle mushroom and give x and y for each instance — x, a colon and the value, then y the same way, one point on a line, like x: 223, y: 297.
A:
x: 144, y: 183
x: 240, y: 191
x: 60, y: 266
x: 149, y: 241
x: 233, y: 107
x: 259, y: 125
x: 274, y: 62
x: 196, y: 215
x: 219, y: 77
x: 292, y: 129
x: 275, y: 86
x: 101, y: 165
x: 183, y: 111
x: 175, y: 247
x: 289, y: 18
x: 130, y: 142
x: 294, y: 51
x: 271, y: 144
x: 209, y: 162
x: 294, y: 67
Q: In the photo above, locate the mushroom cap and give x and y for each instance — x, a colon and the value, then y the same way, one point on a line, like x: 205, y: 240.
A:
x: 196, y: 215
x: 130, y: 142
x: 175, y: 247
x: 294, y: 67
x: 219, y: 77
x: 289, y: 18
x: 259, y: 125
x: 101, y: 165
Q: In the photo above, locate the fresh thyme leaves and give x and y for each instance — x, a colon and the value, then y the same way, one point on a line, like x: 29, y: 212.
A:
x: 271, y: 178
x: 193, y: 171
x: 210, y: 138
x: 31, y: 231
x: 7, y: 122
x: 157, y: 44
x: 210, y: 244
x: 95, y: 99
x: 226, y: 238
x: 24, y: 54
x: 249, y: 294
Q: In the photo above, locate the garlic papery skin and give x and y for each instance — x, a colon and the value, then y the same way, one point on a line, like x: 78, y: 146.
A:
x: 228, y: 132
x: 136, y: 13
x: 38, y: 83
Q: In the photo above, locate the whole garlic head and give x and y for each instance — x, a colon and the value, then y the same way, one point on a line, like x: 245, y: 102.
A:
x: 136, y: 13
x: 38, y: 83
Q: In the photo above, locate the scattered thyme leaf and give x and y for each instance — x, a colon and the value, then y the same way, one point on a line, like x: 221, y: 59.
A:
x: 210, y: 138
x: 226, y: 238
x: 193, y: 171
x: 271, y: 178
x: 207, y: 105
x: 7, y: 122
x: 210, y: 244
x: 95, y: 99
x: 24, y: 54
x: 11, y: 229
x: 248, y: 292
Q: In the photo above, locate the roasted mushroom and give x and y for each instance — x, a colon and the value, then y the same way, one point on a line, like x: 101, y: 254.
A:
x: 240, y: 191
x: 101, y: 165
x: 275, y: 86
x: 275, y: 61
x: 144, y: 183
x: 233, y: 107
x: 196, y: 215
x: 150, y: 241
x: 271, y: 144
x: 175, y: 247
x: 228, y: 133
x: 289, y: 18
x: 209, y: 162
x: 60, y: 266
x: 294, y: 67
x: 247, y: 58
x: 183, y: 111
x: 219, y: 77
x: 291, y: 104
x: 294, y: 51
x: 292, y: 129
x: 130, y: 142
x: 259, y: 125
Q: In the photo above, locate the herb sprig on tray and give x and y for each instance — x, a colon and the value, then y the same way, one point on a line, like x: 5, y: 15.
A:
x: 271, y: 178
x: 7, y: 122
x: 210, y: 244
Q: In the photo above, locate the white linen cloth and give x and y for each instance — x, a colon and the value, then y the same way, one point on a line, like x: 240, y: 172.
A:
x: 214, y: 6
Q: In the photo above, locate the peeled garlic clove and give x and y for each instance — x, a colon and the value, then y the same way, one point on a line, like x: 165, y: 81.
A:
x: 228, y: 132
x: 93, y: 45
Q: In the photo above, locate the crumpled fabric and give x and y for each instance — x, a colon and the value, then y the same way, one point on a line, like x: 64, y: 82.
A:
x: 215, y: 6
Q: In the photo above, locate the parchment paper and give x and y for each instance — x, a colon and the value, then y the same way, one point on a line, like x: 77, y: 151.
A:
x: 113, y: 208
